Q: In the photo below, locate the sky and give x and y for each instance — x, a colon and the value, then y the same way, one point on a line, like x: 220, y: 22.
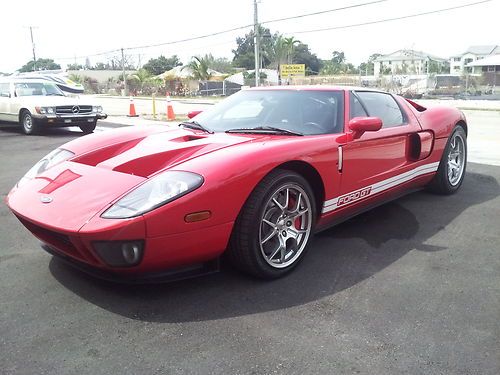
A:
x: 69, y: 31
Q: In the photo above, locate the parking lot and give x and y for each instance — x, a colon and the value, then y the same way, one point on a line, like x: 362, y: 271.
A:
x: 412, y: 287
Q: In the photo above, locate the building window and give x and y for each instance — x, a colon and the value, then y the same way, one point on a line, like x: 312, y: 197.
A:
x: 491, y: 68
x: 456, y: 59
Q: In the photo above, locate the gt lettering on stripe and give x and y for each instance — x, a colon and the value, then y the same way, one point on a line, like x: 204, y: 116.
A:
x: 354, y: 196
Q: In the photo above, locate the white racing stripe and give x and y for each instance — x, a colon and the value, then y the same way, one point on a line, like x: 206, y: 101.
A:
x: 356, y: 195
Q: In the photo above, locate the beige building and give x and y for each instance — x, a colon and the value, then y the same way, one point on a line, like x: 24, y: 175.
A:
x: 405, y: 62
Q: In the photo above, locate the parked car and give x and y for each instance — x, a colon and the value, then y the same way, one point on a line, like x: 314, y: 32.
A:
x: 253, y: 178
x: 37, y: 104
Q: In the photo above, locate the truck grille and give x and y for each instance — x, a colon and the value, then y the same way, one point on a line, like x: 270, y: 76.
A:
x: 73, y: 109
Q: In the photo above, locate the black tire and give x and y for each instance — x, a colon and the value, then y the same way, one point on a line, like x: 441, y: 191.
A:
x: 441, y: 183
x: 28, y: 123
x: 88, y: 127
x: 252, y: 254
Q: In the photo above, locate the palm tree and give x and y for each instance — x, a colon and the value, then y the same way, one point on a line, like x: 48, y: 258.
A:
x: 279, y: 53
x: 289, y: 46
x: 200, y: 68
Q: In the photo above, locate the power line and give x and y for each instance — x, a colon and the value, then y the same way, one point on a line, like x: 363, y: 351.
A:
x: 322, y: 12
x: 390, y: 19
x: 226, y: 31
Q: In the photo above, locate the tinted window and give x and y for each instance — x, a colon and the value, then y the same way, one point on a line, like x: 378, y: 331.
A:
x: 356, y: 109
x: 305, y: 111
x: 383, y: 106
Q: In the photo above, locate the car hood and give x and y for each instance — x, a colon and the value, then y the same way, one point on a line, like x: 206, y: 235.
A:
x: 53, y: 101
x: 146, y: 155
x: 69, y: 194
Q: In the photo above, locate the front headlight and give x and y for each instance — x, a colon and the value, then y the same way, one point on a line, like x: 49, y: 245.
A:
x: 45, y: 110
x: 97, y: 109
x: 154, y: 193
x: 53, y: 158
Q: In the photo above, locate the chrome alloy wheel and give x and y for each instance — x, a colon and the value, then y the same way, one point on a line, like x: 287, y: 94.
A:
x: 456, y: 159
x: 285, y: 225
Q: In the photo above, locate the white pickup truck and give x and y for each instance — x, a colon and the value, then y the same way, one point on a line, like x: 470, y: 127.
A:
x: 37, y: 104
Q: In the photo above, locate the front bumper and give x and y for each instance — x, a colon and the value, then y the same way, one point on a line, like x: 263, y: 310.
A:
x: 69, y: 120
x: 181, y: 273
x: 165, y: 258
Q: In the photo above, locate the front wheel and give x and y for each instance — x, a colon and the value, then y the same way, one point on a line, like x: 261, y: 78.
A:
x: 28, y: 123
x: 274, y: 227
x: 89, y: 127
x: 451, y: 171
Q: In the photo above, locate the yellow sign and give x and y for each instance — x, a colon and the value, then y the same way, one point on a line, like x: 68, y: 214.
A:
x: 292, y: 70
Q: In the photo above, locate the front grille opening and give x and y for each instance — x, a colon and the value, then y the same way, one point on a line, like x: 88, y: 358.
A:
x: 58, y: 240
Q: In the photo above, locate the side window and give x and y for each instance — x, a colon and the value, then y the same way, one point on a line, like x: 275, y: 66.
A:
x: 4, y: 90
x: 356, y: 109
x: 384, y: 106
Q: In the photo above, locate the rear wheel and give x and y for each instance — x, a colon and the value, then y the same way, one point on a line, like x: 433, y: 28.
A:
x: 88, y: 127
x: 274, y: 227
x: 451, y: 171
x: 28, y: 123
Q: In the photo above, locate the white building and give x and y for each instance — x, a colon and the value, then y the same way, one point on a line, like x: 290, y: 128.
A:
x: 458, y: 63
x: 405, y: 62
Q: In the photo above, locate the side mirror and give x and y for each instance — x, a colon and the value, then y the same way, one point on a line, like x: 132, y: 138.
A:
x: 193, y: 114
x: 359, y: 125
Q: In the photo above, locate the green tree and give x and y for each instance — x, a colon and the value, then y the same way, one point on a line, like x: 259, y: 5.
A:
x: 199, y: 67
x: 290, y: 44
x: 367, y: 68
x: 74, y: 66
x: 302, y: 55
x: 244, y: 54
x: 220, y: 64
x: 161, y: 64
x: 41, y: 64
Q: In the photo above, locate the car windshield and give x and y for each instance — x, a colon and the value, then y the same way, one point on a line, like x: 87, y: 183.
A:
x: 37, y: 89
x: 307, y: 112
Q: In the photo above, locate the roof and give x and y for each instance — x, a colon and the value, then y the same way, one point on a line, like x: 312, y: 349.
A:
x: 483, y: 50
x: 487, y: 61
x: 408, y: 54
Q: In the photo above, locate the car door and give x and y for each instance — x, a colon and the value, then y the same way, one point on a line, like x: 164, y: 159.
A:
x: 378, y: 160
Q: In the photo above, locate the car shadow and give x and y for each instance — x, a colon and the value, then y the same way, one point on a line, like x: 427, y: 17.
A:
x: 14, y: 129
x: 338, y: 259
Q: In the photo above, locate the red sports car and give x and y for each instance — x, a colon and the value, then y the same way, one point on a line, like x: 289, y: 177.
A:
x: 252, y: 178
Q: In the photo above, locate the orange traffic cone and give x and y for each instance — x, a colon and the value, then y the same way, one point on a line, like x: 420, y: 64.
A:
x: 170, y: 109
x: 131, y: 112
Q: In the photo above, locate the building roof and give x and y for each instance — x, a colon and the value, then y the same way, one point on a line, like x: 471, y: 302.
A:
x: 484, y: 50
x: 408, y: 54
x: 487, y: 61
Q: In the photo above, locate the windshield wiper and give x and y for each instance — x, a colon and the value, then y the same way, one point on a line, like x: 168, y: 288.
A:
x: 264, y: 129
x: 53, y: 93
x: 195, y: 125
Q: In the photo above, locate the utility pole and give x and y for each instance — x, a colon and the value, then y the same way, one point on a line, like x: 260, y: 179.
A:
x: 124, y: 78
x: 256, y: 43
x: 33, y: 45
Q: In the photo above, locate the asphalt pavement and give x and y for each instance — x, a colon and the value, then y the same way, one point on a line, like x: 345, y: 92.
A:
x: 412, y: 287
